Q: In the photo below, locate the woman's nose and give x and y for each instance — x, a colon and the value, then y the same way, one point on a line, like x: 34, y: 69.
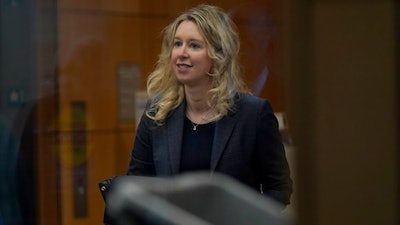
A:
x: 183, y: 51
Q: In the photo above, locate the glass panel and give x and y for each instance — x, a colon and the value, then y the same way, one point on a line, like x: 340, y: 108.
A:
x: 73, y: 88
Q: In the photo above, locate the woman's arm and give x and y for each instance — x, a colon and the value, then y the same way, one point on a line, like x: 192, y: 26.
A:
x: 272, y: 165
x: 141, y: 163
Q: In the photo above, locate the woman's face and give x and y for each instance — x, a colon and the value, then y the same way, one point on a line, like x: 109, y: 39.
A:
x: 190, y: 60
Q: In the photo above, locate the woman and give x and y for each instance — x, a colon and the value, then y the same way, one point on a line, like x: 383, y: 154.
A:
x: 201, y: 117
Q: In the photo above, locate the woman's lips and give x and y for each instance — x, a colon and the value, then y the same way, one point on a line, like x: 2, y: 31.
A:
x: 183, y: 67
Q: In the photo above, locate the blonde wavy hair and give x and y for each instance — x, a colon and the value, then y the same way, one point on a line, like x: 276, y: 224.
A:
x: 222, y: 40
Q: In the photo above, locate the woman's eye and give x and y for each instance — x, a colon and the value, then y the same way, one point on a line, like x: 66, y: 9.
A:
x: 195, y: 46
x: 177, y: 43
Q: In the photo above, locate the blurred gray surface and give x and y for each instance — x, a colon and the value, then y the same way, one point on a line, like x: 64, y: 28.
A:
x: 191, y: 199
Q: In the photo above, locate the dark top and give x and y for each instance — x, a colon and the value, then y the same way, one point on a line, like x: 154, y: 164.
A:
x: 196, y: 146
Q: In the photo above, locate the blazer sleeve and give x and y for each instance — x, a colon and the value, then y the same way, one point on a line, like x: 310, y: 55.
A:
x: 272, y: 166
x: 141, y: 163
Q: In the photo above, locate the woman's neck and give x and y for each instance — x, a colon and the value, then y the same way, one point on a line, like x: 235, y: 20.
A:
x: 197, y: 108
x: 196, y: 99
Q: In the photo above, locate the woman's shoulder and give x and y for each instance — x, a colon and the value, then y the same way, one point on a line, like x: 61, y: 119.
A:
x: 253, y: 105
x: 249, y: 99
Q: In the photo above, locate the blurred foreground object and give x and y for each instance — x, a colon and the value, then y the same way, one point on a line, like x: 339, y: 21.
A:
x: 190, y: 199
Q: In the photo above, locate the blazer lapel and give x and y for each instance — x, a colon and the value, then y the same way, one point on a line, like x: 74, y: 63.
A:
x: 223, y: 132
x: 175, y: 137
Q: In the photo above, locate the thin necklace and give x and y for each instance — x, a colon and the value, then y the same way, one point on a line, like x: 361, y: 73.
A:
x: 197, y: 124
x: 194, y: 125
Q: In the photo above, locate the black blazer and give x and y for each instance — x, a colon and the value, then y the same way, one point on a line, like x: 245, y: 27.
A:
x: 247, y: 146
